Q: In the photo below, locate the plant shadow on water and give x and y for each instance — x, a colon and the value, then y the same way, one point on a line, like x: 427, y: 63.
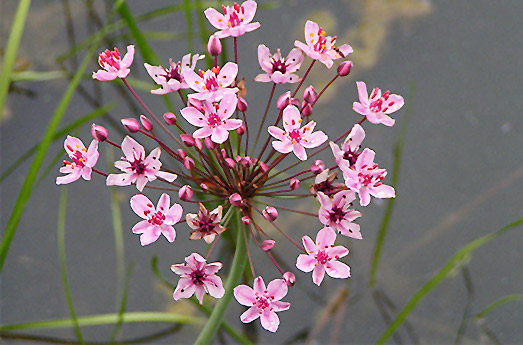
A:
x: 416, y: 274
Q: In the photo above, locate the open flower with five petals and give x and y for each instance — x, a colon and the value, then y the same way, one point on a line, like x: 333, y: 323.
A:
x: 136, y: 167
x: 214, y: 118
x: 277, y: 68
x: 205, y: 224
x: 263, y: 301
x: 377, y: 107
x: 212, y: 85
x: 172, y: 79
x: 197, y: 278
x: 321, y: 47
x: 337, y: 214
x: 321, y: 257
x: 83, y: 160
x: 113, y: 65
x: 351, y: 145
x: 158, y: 221
x: 235, y: 20
x: 293, y: 138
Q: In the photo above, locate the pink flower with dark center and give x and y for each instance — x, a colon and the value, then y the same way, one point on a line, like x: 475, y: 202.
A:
x: 113, y: 65
x: 205, y: 224
x: 235, y: 20
x: 263, y: 301
x: 376, y: 107
x: 172, y: 79
x: 159, y: 220
x: 278, y: 69
x: 212, y: 85
x: 336, y: 213
x: 83, y: 160
x: 294, y: 138
x: 321, y: 47
x: 138, y: 169
x: 324, y: 182
x: 214, y: 118
x: 351, y: 145
x: 321, y: 257
x: 198, y: 278
x: 365, y: 178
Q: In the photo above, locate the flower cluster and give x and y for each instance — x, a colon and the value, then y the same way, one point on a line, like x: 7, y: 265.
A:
x: 216, y: 167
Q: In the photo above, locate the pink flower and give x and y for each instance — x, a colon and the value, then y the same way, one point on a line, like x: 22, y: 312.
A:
x: 215, y: 119
x: 205, y: 224
x: 351, y: 145
x: 365, y: 178
x: 83, y: 160
x: 198, y: 277
x: 263, y: 301
x: 336, y: 213
x: 278, y: 69
x: 235, y: 20
x: 212, y: 85
x: 159, y: 220
x: 294, y: 138
x: 113, y: 66
x: 321, y: 48
x: 138, y: 169
x: 324, y: 182
x: 377, y: 107
x: 172, y: 79
x: 321, y: 257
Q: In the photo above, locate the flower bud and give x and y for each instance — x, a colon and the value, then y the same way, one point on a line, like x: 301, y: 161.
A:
x: 267, y: 245
x: 306, y: 110
x: 317, y: 167
x: 263, y: 167
x: 289, y: 278
x: 294, y: 184
x: 242, y: 104
x: 99, y: 133
x: 188, y: 163
x: 146, y: 123
x: 295, y: 102
x: 187, y: 139
x: 169, y: 118
x: 230, y: 162
x: 204, y: 187
x: 270, y: 213
x: 209, y: 143
x: 344, y: 68
x: 198, y: 143
x: 246, y: 220
x: 214, y: 47
x: 236, y: 200
x: 224, y: 153
x: 284, y: 100
x: 185, y: 193
x: 240, y: 130
x: 131, y: 125
x: 310, y: 95
x: 181, y: 153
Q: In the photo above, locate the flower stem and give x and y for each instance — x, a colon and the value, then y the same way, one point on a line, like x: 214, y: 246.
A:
x: 238, y: 266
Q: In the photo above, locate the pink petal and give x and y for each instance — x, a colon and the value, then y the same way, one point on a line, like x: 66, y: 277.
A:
x: 174, y: 214
x: 309, y: 245
x: 355, y: 137
x: 249, y: 10
x: 269, y: 320
x: 155, y: 72
x: 305, y: 48
x: 132, y: 150
x: 68, y: 178
x: 325, y: 238
x: 202, y: 132
x: 142, y: 206
x: 228, y: 106
x: 282, y: 146
x: 324, y: 200
x: 291, y: 118
x: 244, y: 295
x: 86, y: 173
x: 280, y: 306
x: 360, y: 108
x: 216, y: 18
x: 212, y: 268
x: 326, y: 60
x: 119, y: 179
x: 311, y: 28
x: 299, y: 151
x: 227, y: 74
x: 92, y: 154
x: 278, y: 133
x: 398, y: 103
x: 382, y: 191
x: 364, y: 195
x: 387, y: 120
x: 181, y: 269
x: 337, y: 269
x: 169, y: 232
x: 184, y: 289
x: 192, y: 79
x: 318, y: 274
x: 214, y: 285
x: 349, y: 229
x: 305, y: 263
x: 141, y: 181
x: 103, y: 75
x: 259, y: 285
x: 337, y: 252
x: 294, y: 59
x: 164, y: 203
x: 219, y: 135
x: 264, y: 78
x: 166, y: 176
x: 141, y: 227
x: 194, y: 116
x: 362, y: 93
x: 250, y: 315
x: 199, y: 292
x: 232, y: 124
x: 279, y: 78
x: 365, y: 158
x: 149, y: 237
x: 277, y: 289
x: 264, y: 56
x: 314, y: 140
x: 129, y: 56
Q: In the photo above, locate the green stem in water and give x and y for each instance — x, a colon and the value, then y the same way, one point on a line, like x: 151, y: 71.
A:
x: 238, y: 266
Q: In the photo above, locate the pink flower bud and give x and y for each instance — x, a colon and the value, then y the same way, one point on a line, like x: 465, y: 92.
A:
x: 236, y: 200
x: 131, y: 125
x: 188, y: 163
x: 263, y: 167
x: 230, y: 162
x: 289, y: 278
x: 187, y: 139
x: 209, y: 143
x: 146, y: 123
x: 204, y: 187
x: 270, y: 213
x: 198, y: 143
x: 181, y: 153
x: 246, y: 220
x: 310, y: 95
x: 317, y: 167
x: 295, y: 102
x: 267, y: 245
x: 306, y: 110
x: 169, y: 118
x: 344, y: 68
x: 214, y: 47
x: 240, y: 130
x: 284, y: 100
x: 99, y: 133
x: 185, y: 193
x: 242, y: 104
x: 224, y: 153
x: 294, y: 184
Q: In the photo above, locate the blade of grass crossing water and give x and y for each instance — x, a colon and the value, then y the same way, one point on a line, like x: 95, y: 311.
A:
x: 447, y: 270
x: 12, y: 49
x: 61, y: 253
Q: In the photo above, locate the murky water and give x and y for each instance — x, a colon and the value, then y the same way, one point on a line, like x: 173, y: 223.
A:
x: 461, y: 175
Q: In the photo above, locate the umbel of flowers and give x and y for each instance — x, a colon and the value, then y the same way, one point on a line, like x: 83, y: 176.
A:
x: 212, y: 151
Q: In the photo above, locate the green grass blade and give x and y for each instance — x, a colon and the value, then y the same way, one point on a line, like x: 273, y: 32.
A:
x: 398, y: 150
x: 33, y: 76
x: 105, y: 319
x: 32, y: 174
x: 498, y: 303
x: 63, y: 268
x: 187, y: 8
x: 123, y: 303
x: 447, y: 270
x: 12, y: 49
